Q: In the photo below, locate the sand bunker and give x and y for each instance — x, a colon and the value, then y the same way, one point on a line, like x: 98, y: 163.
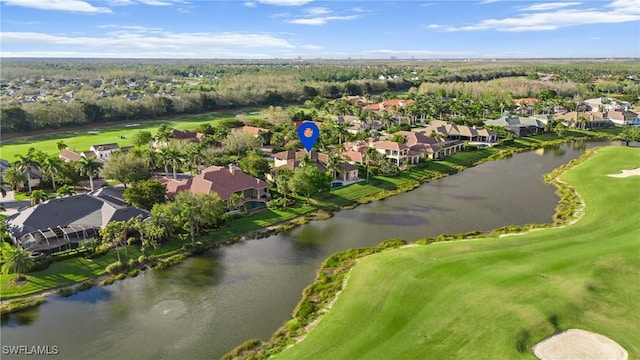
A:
x: 579, y: 344
x: 627, y: 173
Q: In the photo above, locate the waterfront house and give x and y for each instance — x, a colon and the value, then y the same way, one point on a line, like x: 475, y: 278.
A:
x: 63, y: 222
x: 224, y: 181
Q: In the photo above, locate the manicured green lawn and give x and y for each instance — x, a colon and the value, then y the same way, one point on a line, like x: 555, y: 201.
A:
x: 81, y: 140
x: 76, y: 269
x: 494, y: 298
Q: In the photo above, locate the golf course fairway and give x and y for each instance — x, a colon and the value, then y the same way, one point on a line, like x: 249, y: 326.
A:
x: 494, y: 298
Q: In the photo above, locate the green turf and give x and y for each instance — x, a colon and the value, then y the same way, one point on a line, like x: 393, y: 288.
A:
x: 81, y: 140
x: 494, y: 298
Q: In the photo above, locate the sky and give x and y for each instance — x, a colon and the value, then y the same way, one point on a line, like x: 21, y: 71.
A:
x: 308, y: 29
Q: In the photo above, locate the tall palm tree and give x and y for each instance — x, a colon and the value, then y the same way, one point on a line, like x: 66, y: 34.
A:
x: 37, y: 196
x: 172, y: 157
x: 52, y: 165
x: 15, y: 176
x: 27, y: 162
x: 150, y: 157
x: 88, y: 167
x: 194, y: 156
x: 372, y: 156
x: 16, y: 260
x: 61, y: 145
x: 334, y: 164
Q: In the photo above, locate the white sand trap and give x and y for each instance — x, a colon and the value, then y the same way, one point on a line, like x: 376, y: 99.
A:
x: 575, y: 344
x: 627, y: 173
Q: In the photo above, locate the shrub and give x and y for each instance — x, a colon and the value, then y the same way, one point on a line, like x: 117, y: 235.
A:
x: 40, y: 264
x: 133, y: 272
x: 304, y: 309
x: 86, y: 285
x: 65, y: 292
x: 114, y: 268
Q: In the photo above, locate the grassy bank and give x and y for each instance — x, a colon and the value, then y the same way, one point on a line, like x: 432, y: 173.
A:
x: 496, y: 297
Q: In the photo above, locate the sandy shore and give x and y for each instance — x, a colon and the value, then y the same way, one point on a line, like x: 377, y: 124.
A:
x: 579, y: 344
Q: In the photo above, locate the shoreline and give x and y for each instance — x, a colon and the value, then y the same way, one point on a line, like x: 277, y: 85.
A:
x: 286, y: 337
x: 22, y: 302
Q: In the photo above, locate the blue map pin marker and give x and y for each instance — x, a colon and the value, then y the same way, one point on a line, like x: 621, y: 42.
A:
x: 308, y: 133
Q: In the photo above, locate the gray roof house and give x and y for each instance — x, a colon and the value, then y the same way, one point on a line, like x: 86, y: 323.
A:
x: 520, y: 125
x: 62, y: 222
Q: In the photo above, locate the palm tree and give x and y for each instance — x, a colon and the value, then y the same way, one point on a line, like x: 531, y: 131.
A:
x: 387, y: 119
x: 173, y: 157
x: 372, y: 156
x: 151, y: 159
x: 88, y: 167
x: 61, y: 145
x: 334, y: 165
x: 3, y: 192
x: 66, y: 190
x: 26, y: 163
x: 52, y: 165
x: 194, y: 157
x: 15, y: 176
x: 16, y: 260
x: 37, y: 196
x: 115, y: 233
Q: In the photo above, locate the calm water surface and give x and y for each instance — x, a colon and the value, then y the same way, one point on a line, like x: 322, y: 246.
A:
x: 207, y: 305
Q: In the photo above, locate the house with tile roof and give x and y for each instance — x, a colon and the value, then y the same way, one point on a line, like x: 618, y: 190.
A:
x: 584, y: 120
x: 396, y: 153
x: 623, y: 117
x: 224, y: 181
x: 63, y: 222
x: 462, y: 132
x: 430, y: 147
x: 291, y: 160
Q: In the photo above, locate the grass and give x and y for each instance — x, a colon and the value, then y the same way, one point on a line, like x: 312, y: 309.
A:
x: 494, y: 298
x: 76, y: 269
x: 81, y: 140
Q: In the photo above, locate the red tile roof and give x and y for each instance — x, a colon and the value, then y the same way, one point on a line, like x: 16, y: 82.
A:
x: 220, y: 180
x: 251, y: 130
x: 389, y: 145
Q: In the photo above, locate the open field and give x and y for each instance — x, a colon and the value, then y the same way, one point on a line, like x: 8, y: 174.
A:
x: 495, y: 298
x: 82, y: 139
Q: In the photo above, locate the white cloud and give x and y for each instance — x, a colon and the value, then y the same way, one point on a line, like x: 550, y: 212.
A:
x: 488, y: 1
x: 156, y: 3
x: 311, y: 47
x: 250, y: 4
x: 549, y: 6
x: 322, y: 20
x: 285, y: 2
x: 145, y: 2
x: 79, y: 6
x: 140, y: 41
x: 618, y: 11
x: 317, y: 11
x: 433, y: 26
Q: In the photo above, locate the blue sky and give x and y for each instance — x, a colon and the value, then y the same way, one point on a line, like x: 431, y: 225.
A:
x: 288, y: 29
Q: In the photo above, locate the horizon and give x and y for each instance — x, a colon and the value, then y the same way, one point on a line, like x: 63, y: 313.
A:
x: 313, y: 30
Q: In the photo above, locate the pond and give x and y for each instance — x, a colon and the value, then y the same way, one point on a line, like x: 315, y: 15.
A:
x: 207, y: 305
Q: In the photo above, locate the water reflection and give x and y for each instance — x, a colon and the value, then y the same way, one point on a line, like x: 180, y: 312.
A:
x: 21, y: 318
